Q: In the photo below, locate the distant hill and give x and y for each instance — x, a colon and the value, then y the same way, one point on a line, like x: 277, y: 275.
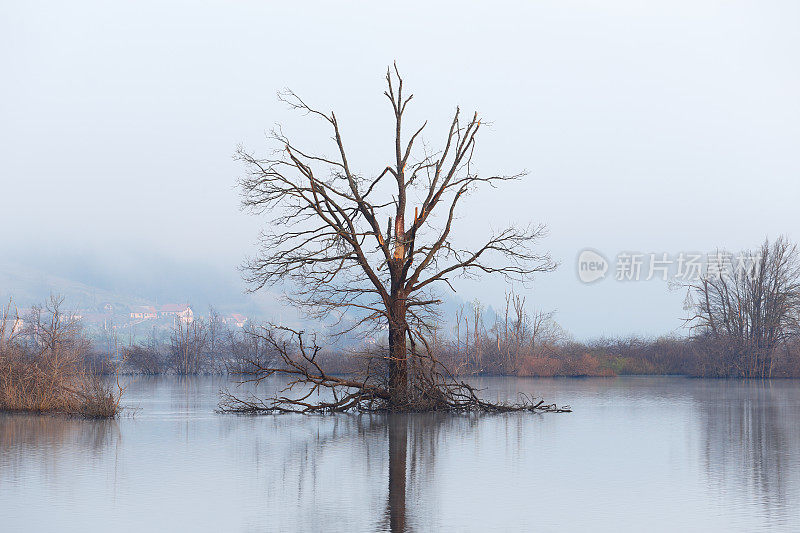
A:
x: 28, y: 286
x: 86, y: 286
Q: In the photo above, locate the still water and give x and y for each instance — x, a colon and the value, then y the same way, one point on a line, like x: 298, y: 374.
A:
x: 637, y: 454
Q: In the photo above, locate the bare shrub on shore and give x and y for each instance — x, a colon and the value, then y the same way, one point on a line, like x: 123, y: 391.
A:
x: 744, y: 319
x: 44, y: 365
x: 519, y: 339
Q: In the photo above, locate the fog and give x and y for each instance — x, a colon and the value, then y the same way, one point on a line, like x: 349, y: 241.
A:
x: 651, y: 127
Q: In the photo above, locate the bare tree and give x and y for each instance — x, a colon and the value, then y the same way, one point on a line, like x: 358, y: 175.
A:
x: 216, y: 328
x: 246, y: 350
x: 188, y: 347
x: 746, y: 315
x: 10, y: 325
x: 148, y: 358
x: 347, y: 242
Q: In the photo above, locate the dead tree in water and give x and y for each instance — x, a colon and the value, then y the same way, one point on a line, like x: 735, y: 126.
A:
x: 188, y: 347
x: 347, y: 240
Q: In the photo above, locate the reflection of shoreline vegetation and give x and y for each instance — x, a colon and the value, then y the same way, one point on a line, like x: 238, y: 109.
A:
x: 45, y: 367
x: 22, y: 437
x: 750, y: 433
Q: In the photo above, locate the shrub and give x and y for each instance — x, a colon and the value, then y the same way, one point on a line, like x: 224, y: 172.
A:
x: 44, y: 367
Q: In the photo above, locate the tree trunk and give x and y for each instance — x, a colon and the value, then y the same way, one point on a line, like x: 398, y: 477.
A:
x: 398, y: 362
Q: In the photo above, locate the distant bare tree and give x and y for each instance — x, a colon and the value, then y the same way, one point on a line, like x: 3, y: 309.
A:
x: 348, y: 243
x: 746, y: 315
x: 146, y: 358
x: 216, y: 329
x: 188, y: 345
x: 246, y: 350
x: 516, y: 336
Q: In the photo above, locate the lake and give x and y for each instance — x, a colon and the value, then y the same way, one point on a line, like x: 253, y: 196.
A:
x: 637, y: 453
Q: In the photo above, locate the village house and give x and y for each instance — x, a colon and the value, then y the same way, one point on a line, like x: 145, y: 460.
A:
x: 180, y: 311
x: 144, y: 312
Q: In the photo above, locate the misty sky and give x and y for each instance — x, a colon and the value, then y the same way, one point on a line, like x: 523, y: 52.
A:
x: 646, y: 126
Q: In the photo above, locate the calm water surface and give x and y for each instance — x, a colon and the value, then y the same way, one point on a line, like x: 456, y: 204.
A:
x: 654, y: 454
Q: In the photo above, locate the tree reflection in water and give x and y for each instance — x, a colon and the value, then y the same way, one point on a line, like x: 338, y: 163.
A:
x: 38, y: 442
x: 751, y: 438
x: 396, y: 502
x: 703, y: 453
x: 422, y: 434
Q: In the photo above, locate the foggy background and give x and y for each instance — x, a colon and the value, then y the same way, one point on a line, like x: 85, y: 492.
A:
x: 651, y: 127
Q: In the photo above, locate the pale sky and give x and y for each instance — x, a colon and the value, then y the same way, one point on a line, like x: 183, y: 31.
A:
x: 646, y: 126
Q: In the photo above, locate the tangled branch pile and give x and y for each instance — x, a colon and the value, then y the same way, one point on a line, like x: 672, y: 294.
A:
x: 310, y: 389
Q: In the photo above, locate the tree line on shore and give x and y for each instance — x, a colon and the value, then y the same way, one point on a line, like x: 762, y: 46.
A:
x: 744, y: 325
